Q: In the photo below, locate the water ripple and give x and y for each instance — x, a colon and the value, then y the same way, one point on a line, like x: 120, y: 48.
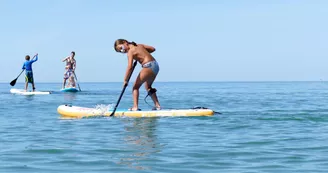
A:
x: 265, y: 127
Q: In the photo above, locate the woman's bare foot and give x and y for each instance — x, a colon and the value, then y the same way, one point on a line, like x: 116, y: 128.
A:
x: 134, y: 109
x: 157, y: 108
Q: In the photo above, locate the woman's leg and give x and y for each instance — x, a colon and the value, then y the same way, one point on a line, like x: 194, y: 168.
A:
x: 148, y: 85
x: 144, y: 75
x: 65, y: 79
x: 64, y: 83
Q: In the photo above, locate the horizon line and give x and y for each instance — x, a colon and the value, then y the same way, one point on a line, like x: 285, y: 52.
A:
x: 193, y: 81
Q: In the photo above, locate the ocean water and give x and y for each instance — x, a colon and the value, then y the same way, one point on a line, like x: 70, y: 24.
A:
x: 264, y: 127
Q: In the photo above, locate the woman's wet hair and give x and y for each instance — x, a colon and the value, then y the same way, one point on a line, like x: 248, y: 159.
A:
x: 73, y: 53
x: 122, y: 41
x: 27, y: 57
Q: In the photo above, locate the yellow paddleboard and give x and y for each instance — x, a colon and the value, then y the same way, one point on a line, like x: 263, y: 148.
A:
x: 67, y: 111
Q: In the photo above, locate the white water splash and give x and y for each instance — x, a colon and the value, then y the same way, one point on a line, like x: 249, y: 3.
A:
x: 104, y: 108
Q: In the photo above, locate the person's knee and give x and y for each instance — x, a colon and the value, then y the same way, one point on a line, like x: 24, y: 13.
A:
x: 135, y: 88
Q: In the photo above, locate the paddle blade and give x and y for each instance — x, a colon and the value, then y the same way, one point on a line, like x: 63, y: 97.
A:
x: 12, y: 83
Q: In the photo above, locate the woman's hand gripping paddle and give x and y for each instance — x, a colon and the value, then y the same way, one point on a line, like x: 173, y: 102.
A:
x: 124, y: 87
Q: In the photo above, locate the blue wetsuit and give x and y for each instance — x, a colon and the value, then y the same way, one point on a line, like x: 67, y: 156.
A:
x: 28, y: 70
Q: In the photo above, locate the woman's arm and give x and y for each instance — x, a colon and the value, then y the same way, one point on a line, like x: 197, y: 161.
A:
x: 150, y: 49
x: 129, y: 68
x: 65, y: 59
x: 74, y: 66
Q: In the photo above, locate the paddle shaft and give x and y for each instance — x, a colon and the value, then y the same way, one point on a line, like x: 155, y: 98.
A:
x: 77, y: 81
x: 12, y: 83
x: 119, y: 99
x: 20, y: 73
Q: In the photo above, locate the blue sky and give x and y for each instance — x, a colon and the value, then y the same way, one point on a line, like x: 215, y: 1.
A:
x: 208, y: 40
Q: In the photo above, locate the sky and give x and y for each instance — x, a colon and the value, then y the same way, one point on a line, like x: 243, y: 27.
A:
x: 195, y: 40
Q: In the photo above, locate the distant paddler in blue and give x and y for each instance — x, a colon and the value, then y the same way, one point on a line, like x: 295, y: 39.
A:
x: 140, y: 53
x: 27, y: 66
x: 69, y: 70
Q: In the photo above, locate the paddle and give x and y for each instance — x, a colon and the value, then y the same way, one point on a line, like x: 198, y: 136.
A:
x: 77, y: 81
x: 12, y: 83
x: 119, y: 99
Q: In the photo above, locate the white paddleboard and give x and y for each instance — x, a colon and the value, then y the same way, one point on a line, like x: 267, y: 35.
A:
x: 23, y: 92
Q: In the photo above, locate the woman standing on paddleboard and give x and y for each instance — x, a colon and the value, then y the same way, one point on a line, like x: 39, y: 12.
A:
x: 147, y: 75
x: 69, y: 69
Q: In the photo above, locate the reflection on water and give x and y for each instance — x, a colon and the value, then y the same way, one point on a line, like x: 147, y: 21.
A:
x: 69, y: 96
x: 29, y: 97
x: 141, y: 139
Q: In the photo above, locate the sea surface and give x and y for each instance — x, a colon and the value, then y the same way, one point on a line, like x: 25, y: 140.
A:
x: 264, y: 127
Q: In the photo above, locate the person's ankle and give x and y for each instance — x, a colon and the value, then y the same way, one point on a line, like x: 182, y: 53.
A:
x: 157, y: 108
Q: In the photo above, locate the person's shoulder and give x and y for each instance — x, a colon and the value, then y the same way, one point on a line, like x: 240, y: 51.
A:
x: 142, y: 46
x: 134, y: 51
x: 138, y: 47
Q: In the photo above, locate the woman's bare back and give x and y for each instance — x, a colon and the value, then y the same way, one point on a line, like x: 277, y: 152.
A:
x: 141, y: 54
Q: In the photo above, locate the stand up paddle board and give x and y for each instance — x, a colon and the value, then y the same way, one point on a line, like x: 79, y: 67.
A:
x: 69, y: 90
x: 23, y: 92
x: 67, y: 111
